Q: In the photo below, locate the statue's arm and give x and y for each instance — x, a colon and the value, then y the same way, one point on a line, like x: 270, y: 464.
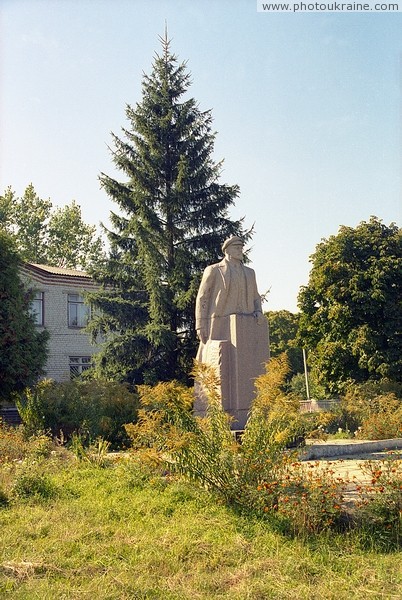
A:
x: 257, y: 302
x: 202, y: 306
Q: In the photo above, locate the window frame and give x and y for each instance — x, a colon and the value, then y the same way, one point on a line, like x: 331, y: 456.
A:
x: 82, y: 364
x: 79, y: 321
x: 35, y: 314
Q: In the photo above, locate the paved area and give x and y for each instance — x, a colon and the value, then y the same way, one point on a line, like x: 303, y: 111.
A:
x: 350, y: 467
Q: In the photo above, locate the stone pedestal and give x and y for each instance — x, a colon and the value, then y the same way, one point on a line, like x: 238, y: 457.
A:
x: 238, y: 361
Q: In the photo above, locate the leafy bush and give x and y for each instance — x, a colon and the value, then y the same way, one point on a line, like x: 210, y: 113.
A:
x: 90, y: 409
x: 31, y: 481
x: 306, y: 497
x: 386, y: 424
x: 257, y: 474
x: 375, y: 409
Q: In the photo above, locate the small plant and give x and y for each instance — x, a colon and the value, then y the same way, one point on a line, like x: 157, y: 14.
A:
x: 380, y: 502
x: 13, y: 445
x: 39, y: 446
x: 308, y: 497
x: 4, y: 501
x: 374, y: 410
x: 94, y: 454
x: 385, y: 423
x: 31, y: 482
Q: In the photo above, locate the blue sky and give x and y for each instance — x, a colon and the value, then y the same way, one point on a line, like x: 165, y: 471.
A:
x: 307, y: 109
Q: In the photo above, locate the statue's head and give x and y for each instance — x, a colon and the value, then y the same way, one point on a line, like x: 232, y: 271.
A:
x: 233, y: 247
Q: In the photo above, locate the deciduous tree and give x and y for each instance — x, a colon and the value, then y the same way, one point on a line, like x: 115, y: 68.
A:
x: 44, y: 235
x: 283, y: 326
x: 351, y: 309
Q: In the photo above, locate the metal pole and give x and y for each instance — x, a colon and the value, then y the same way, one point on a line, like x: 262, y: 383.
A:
x: 306, y: 375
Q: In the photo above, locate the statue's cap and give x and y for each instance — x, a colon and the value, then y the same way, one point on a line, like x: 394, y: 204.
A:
x: 234, y: 239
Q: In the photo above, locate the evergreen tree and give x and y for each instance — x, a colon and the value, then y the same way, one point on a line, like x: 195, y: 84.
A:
x: 172, y: 221
x: 22, y: 348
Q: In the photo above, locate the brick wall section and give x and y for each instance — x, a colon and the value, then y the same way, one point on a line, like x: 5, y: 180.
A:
x: 64, y: 341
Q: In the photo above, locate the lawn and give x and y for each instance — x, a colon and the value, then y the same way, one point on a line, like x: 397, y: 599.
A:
x: 116, y: 533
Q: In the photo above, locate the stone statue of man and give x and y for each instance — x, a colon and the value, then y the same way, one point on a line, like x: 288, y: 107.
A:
x: 227, y: 288
x: 233, y: 332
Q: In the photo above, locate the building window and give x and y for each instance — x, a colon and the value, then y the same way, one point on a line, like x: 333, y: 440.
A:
x: 78, y: 312
x: 79, y: 364
x: 36, y: 308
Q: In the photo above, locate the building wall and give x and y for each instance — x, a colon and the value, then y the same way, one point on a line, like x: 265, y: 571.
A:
x: 64, y: 341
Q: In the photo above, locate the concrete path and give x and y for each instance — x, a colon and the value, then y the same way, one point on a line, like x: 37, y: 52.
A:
x: 340, y: 448
x: 347, y: 458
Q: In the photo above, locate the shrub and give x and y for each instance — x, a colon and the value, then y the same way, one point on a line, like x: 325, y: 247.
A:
x: 257, y: 474
x: 385, y: 421
x: 95, y: 454
x: 306, y: 497
x: 375, y: 409
x: 31, y: 482
x: 90, y: 409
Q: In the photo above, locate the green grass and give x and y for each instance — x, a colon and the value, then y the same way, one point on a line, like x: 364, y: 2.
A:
x: 114, y: 534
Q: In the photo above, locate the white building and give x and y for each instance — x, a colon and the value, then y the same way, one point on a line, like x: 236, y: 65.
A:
x: 59, y: 307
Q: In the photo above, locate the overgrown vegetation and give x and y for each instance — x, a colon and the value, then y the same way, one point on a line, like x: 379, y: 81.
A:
x: 135, y: 530
x: 259, y: 475
x: 369, y: 411
x: 89, y: 409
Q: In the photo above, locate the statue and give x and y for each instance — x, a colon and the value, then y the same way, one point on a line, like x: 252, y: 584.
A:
x: 232, y: 329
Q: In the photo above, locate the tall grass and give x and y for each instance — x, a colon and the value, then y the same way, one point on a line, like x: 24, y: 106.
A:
x: 127, y: 532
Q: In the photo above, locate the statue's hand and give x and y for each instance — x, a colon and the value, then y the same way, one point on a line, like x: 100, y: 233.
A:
x: 259, y: 316
x: 202, y: 334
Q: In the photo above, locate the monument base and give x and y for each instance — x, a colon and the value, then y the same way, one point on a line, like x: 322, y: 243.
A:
x: 238, y: 361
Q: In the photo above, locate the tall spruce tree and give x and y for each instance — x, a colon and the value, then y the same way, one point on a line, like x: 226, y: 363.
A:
x: 172, y: 221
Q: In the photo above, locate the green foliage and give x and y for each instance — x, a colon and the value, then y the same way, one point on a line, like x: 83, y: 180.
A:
x: 205, y: 450
x: 30, y: 484
x: 90, y: 409
x: 274, y: 421
x: 283, y: 326
x: 95, y: 454
x: 374, y: 409
x: 130, y: 532
x: 297, y: 386
x: 387, y: 424
x: 351, y: 309
x: 23, y: 349
x: 380, y: 504
x: 258, y: 475
x: 4, y: 499
x: 172, y: 219
x: 57, y: 237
